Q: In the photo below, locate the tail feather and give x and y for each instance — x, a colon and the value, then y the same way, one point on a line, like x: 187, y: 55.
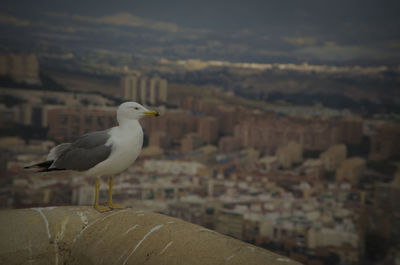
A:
x: 51, y: 169
x: 43, y: 165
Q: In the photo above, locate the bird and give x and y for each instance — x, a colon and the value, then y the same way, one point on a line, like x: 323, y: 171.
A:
x: 102, y: 153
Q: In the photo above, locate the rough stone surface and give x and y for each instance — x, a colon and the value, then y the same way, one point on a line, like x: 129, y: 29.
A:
x: 81, y: 235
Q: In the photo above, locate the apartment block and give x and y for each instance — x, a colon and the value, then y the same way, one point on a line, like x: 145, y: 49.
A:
x: 145, y: 90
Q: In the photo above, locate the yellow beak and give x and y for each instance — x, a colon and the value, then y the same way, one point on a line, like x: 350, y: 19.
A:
x: 152, y: 113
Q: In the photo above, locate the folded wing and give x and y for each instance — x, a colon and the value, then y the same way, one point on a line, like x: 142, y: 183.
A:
x: 83, y: 154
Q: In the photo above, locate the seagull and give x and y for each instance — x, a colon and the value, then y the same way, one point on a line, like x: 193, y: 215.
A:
x: 102, y: 153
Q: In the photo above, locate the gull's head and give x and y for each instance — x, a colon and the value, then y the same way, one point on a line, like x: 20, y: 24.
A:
x: 134, y: 111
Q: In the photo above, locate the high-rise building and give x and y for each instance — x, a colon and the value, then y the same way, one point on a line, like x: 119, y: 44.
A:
x: 144, y: 89
x: 208, y: 129
x: 22, y: 68
x: 65, y: 124
x: 175, y: 123
x: 229, y: 144
x: 160, y: 139
x: 385, y: 142
x: 190, y: 142
x: 267, y: 134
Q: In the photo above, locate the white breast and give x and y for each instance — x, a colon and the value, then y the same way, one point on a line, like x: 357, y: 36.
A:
x: 126, y: 146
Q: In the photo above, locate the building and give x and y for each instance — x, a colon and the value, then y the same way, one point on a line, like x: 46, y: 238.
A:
x: 267, y: 133
x: 335, y: 237
x: 151, y: 151
x: 43, y: 98
x: 173, y: 167
x: 350, y: 129
x: 227, y: 116
x: 387, y: 195
x: 65, y: 124
x: 25, y: 114
x: 208, y: 129
x: 289, y: 154
x: 205, y: 154
x: 333, y: 157
x: 227, y: 119
x: 18, y: 145
x: 22, y: 68
x: 188, y: 208
x: 351, y: 170
x: 381, y: 221
x: 230, y: 222
x: 268, y: 163
x: 83, y: 195
x: 175, y: 123
x: 8, y: 116
x: 248, y: 158
x: 229, y: 144
x: 190, y: 142
x: 385, y: 142
x: 160, y: 139
x: 144, y: 89
x: 312, y: 169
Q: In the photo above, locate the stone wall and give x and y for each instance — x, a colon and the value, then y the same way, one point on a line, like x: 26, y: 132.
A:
x: 81, y: 235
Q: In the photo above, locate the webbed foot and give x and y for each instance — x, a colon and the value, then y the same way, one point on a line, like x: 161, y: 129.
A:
x: 115, y: 206
x: 101, y: 208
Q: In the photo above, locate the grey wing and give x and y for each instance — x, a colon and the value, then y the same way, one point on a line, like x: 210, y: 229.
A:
x: 83, y: 154
x: 56, y: 151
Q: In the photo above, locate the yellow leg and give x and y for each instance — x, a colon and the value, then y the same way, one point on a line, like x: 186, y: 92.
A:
x: 96, y: 205
x: 109, y: 202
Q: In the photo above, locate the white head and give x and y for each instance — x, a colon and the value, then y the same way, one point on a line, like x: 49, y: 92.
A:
x: 133, y: 111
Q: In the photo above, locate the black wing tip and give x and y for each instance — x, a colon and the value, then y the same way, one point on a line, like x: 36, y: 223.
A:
x: 51, y: 169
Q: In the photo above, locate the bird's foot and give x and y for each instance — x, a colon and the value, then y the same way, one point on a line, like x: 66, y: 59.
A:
x: 115, y: 206
x: 101, y: 208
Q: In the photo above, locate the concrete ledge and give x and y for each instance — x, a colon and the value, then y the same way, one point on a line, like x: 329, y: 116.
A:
x: 81, y: 235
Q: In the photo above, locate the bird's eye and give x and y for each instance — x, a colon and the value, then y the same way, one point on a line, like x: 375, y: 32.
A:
x: 136, y: 108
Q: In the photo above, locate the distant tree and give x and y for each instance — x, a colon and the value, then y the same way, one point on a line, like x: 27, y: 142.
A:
x: 330, y: 176
x: 361, y: 149
x: 52, y: 101
x: 311, y: 153
x: 85, y: 102
x: 376, y: 247
x: 145, y: 140
x: 332, y: 259
x: 385, y: 167
x: 26, y: 132
x: 11, y: 101
x: 49, y: 83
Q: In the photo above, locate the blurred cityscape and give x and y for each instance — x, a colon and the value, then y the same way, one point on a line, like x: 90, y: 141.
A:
x: 302, y: 159
x: 317, y: 184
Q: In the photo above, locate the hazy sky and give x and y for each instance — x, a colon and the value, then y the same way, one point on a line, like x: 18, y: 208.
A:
x: 232, y: 14
x: 331, y: 29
